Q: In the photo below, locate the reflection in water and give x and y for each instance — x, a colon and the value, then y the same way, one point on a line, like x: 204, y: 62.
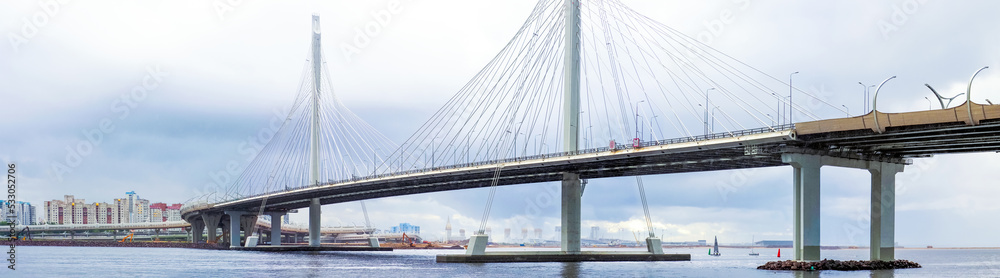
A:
x: 571, y: 270
x: 885, y: 273
x: 315, y: 263
x: 806, y: 274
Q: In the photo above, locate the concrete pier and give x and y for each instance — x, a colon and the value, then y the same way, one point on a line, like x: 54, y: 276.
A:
x: 197, y: 229
x: 247, y: 223
x: 571, y: 199
x: 654, y: 245
x: 314, y: 221
x: 806, y: 195
x: 477, y: 245
x: 276, y: 227
x: 234, y: 227
x: 808, y: 184
x: 883, y: 212
x: 211, y: 221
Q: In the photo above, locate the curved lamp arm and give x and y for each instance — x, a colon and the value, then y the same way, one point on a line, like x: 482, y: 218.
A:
x: 939, y: 97
x: 968, y: 94
x: 875, y: 103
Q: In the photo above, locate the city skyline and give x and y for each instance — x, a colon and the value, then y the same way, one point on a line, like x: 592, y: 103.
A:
x: 224, y: 76
x: 130, y: 209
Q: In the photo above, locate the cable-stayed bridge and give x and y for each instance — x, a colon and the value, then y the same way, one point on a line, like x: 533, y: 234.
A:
x: 587, y: 90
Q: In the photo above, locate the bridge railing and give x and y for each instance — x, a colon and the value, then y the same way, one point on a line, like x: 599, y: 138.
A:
x: 618, y: 146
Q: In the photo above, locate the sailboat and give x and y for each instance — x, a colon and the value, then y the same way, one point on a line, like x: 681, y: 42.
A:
x: 715, y: 250
x: 752, y: 243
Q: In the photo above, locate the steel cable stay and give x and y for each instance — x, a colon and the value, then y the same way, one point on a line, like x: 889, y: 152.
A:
x: 728, y: 67
x: 698, y: 43
x: 645, y: 205
x: 489, y: 69
x: 663, y: 91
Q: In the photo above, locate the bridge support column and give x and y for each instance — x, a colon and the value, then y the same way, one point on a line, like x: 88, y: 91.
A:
x: 797, y: 212
x: 807, y: 200
x: 247, y: 223
x: 883, y: 219
x: 197, y: 228
x: 571, y: 201
x: 314, y: 221
x: 276, y: 227
x: 234, y: 228
x: 807, y: 205
x: 211, y: 221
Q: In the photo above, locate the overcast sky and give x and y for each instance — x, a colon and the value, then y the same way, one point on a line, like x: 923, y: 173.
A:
x: 211, y: 74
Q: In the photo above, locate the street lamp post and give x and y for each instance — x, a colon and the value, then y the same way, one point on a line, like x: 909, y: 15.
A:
x: 875, y: 103
x: 637, y: 117
x: 433, y: 149
x: 791, y: 109
x: 707, y: 105
x: 928, y: 103
x: 968, y: 94
x: 848, y: 110
x: 864, y: 103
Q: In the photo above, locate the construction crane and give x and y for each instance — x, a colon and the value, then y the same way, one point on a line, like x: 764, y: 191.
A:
x: 129, y: 237
x: 407, y: 240
x: 26, y: 232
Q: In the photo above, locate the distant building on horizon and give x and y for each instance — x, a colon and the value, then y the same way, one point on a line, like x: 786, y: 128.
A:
x: 405, y: 228
x: 130, y: 209
x: 774, y: 243
x: 24, y: 212
x: 161, y: 212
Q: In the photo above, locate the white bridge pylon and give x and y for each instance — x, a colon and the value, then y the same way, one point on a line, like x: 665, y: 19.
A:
x: 319, y: 142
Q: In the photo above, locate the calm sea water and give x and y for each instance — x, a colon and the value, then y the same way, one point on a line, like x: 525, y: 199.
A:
x: 165, y: 262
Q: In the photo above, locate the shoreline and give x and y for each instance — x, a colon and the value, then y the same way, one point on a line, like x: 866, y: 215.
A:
x: 136, y: 244
x: 172, y: 244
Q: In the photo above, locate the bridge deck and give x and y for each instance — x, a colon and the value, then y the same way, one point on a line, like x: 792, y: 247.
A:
x: 688, y: 156
x: 912, y: 134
